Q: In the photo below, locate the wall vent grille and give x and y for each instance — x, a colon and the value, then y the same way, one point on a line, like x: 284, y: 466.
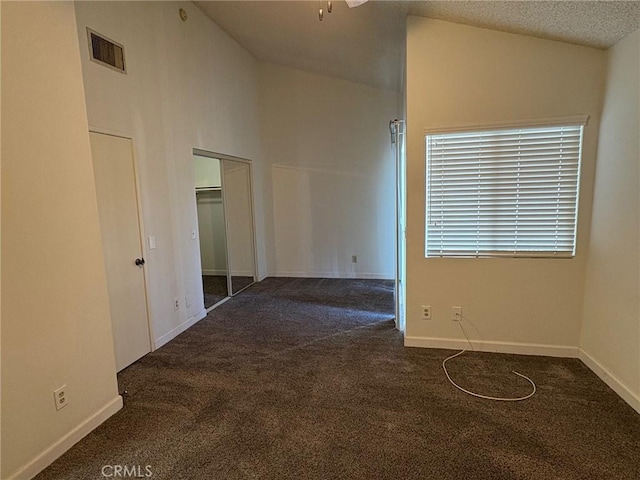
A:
x: 106, y: 52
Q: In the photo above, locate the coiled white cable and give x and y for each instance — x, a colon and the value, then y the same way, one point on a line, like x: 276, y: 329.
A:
x: 486, y: 397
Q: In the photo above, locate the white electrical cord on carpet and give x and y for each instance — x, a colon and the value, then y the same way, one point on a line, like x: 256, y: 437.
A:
x: 486, y: 397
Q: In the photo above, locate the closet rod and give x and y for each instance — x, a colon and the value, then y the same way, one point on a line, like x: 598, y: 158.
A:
x: 208, y: 189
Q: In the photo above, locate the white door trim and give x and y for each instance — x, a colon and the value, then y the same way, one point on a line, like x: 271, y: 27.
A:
x: 141, y: 229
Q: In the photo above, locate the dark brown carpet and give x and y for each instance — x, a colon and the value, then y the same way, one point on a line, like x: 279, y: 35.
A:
x: 214, y: 288
x: 238, y: 283
x: 307, y: 378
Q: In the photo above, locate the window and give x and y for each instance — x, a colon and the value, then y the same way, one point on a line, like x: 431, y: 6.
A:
x: 503, y: 192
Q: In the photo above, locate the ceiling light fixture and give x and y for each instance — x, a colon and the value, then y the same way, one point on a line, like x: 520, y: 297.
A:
x: 350, y: 3
x: 321, y: 10
x: 355, y: 3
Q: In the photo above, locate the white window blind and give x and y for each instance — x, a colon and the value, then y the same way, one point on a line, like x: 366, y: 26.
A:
x: 507, y: 192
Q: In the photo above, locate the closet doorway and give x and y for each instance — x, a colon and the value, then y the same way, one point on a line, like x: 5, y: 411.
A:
x: 224, y: 205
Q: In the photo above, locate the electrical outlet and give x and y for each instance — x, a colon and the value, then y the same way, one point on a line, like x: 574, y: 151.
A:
x: 354, y: 258
x: 60, y: 397
x: 426, y: 312
x: 456, y: 314
x: 187, y: 301
x: 176, y: 303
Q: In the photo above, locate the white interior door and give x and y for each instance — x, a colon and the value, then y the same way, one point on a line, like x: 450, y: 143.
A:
x: 121, y: 240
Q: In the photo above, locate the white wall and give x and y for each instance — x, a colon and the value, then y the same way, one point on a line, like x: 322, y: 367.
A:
x: 461, y: 75
x: 188, y: 85
x: 611, y: 320
x: 211, y: 225
x: 331, y: 174
x: 56, y: 328
x: 211, y: 229
x: 237, y: 206
x: 207, y: 171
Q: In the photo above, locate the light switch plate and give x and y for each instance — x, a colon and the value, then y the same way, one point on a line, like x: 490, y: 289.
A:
x: 152, y: 242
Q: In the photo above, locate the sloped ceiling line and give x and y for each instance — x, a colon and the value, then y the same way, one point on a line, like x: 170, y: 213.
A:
x: 366, y: 44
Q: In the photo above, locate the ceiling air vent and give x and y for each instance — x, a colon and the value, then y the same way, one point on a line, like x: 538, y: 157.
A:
x: 106, y: 52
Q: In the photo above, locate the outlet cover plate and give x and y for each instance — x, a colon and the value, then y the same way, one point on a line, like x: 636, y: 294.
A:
x: 60, y: 397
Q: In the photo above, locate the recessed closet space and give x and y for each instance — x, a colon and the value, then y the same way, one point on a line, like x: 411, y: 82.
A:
x: 225, y: 224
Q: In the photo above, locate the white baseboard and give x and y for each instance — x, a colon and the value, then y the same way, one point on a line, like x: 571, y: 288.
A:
x: 363, y: 276
x: 167, y: 337
x: 56, y: 450
x: 496, y: 347
x: 561, y: 351
x: 242, y: 273
x: 223, y: 273
x: 216, y: 273
x: 610, y: 379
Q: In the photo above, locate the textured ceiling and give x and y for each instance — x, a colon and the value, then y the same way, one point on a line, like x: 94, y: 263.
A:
x: 366, y: 44
x: 597, y: 24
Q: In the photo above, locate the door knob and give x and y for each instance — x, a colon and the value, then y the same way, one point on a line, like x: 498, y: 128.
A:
x: 139, y: 261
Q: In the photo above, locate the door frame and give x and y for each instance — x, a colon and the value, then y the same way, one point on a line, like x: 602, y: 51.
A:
x: 141, y: 229
x: 222, y: 156
x: 399, y: 146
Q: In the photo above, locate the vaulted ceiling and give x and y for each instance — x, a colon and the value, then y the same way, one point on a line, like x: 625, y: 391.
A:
x: 366, y: 44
